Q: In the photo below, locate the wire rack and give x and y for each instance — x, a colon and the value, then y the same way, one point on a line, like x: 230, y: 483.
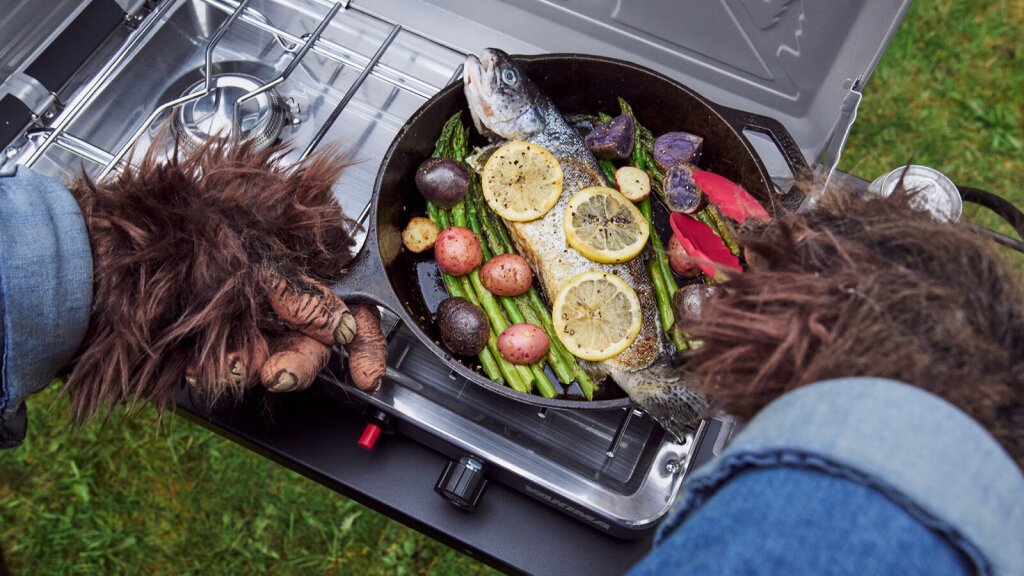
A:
x: 239, y: 13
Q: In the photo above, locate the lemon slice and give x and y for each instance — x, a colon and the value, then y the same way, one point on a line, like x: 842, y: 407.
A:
x: 521, y: 181
x: 596, y: 315
x: 604, y: 225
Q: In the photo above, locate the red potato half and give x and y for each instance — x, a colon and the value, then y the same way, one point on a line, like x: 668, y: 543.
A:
x: 679, y: 260
x: 507, y: 275
x: 730, y: 197
x: 701, y: 243
x: 523, y: 343
x: 457, y: 251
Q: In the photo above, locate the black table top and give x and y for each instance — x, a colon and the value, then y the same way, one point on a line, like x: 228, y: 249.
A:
x: 317, y: 437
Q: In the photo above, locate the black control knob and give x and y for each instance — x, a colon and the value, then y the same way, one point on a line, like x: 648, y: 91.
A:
x: 462, y: 483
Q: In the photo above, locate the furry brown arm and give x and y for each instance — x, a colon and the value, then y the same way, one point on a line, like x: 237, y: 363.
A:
x: 179, y: 249
x: 868, y: 288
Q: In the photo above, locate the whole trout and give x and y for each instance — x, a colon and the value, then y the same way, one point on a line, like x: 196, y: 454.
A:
x: 506, y: 104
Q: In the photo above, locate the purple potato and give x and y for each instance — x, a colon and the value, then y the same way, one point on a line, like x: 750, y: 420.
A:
x: 614, y: 139
x: 688, y: 302
x: 679, y: 191
x: 442, y: 181
x: 463, y: 325
x: 675, y: 147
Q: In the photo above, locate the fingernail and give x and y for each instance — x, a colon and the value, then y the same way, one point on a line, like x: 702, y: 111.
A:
x: 285, y: 381
x: 346, y: 329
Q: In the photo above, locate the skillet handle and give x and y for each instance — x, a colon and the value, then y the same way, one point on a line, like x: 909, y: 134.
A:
x: 365, y: 279
x: 741, y: 120
x: 1002, y: 208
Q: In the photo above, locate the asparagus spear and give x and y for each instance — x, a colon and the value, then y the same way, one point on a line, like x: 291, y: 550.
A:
x: 587, y: 385
x: 657, y: 267
x: 451, y: 144
x: 608, y: 168
x: 660, y: 293
x: 512, y: 310
x: 486, y: 356
x: 723, y: 229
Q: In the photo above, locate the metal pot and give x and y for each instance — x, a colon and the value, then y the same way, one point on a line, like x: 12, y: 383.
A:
x: 409, y: 284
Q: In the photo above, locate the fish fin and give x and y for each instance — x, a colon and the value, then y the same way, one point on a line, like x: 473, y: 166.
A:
x: 664, y: 393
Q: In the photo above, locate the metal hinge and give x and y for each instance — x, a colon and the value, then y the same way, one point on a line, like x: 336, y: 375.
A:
x: 830, y: 156
x: 135, y: 11
x: 44, y: 104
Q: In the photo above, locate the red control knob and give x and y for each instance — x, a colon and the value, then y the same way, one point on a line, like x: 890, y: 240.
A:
x: 370, y: 435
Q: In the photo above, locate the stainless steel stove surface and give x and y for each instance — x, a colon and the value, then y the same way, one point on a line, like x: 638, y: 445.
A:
x: 358, y: 81
x: 613, y: 469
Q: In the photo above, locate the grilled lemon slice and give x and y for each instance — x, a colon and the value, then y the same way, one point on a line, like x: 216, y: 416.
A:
x: 604, y: 225
x: 521, y: 181
x: 596, y: 315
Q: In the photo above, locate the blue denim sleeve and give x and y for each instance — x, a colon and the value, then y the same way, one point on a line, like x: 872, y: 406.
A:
x: 850, y: 476
x: 45, y: 290
x: 786, y: 520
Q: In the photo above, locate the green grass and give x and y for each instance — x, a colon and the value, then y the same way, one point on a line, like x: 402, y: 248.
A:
x: 130, y: 498
x: 949, y: 93
x: 127, y: 498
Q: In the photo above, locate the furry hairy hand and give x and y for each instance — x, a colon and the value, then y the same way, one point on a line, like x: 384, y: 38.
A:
x: 212, y: 269
x: 861, y: 287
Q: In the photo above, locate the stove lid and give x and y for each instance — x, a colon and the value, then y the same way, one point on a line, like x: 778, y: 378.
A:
x: 27, y: 31
x: 793, y: 60
x: 41, y: 49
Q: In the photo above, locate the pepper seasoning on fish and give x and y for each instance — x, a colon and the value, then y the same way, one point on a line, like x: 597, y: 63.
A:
x: 506, y: 104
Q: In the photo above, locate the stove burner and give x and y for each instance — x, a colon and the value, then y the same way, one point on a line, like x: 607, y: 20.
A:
x: 210, y: 116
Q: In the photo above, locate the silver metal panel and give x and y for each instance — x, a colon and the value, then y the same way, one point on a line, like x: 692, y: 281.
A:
x: 793, y: 60
x: 27, y: 28
x: 625, y: 471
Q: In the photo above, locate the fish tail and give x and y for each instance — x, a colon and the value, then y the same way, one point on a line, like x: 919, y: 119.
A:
x: 664, y: 393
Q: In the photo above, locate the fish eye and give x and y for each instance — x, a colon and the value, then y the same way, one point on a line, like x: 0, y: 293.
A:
x: 509, y: 77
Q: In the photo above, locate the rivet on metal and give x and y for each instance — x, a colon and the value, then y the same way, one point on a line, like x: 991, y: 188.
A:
x: 672, y: 466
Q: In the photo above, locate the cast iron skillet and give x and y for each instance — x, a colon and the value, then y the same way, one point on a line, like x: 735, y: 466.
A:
x: 409, y: 285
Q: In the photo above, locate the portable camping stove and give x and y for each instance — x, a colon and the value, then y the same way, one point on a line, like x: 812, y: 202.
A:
x: 312, y: 72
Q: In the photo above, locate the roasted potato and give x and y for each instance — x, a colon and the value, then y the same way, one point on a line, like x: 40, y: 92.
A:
x: 457, y: 251
x: 419, y: 234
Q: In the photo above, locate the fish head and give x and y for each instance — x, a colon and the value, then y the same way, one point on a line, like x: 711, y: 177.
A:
x: 502, y: 100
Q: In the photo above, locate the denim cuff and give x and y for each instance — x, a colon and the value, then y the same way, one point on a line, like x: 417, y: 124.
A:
x: 45, y: 289
x: 13, y: 424
x: 923, y: 453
